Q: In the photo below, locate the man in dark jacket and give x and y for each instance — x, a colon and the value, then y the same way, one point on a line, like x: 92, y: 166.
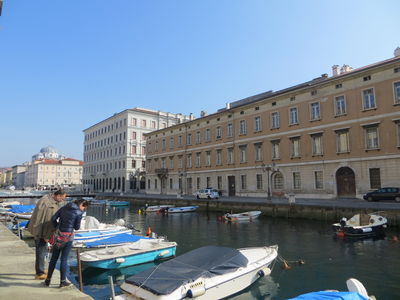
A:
x: 42, y: 229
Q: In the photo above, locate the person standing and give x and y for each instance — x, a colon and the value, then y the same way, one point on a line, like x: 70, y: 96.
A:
x: 66, y: 220
x: 42, y: 229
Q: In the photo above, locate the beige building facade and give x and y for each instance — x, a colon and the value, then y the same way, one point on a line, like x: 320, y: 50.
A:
x: 49, y: 173
x: 334, y: 136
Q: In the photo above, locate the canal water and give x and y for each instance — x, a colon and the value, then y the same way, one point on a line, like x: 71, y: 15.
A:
x: 328, y: 261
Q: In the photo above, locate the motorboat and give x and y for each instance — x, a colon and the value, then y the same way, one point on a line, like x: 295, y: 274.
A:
x: 142, y: 251
x: 81, y: 238
x: 361, y: 225
x: 89, y: 223
x: 181, y: 209
x: 245, y: 216
x: 157, y: 208
x: 356, y: 291
x: 118, y: 203
x: 209, y: 272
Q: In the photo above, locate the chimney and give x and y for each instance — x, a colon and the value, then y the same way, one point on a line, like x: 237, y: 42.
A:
x: 335, y: 70
x: 228, y: 105
x: 397, y: 52
x: 203, y: 113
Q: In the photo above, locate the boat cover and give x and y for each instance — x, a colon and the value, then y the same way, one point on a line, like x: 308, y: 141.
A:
x: 117, y: 239
x: 22, y: 209
x: 208, y: 261
x: 325, y: 295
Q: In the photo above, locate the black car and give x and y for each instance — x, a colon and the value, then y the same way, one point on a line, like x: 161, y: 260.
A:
x: 386, y: 193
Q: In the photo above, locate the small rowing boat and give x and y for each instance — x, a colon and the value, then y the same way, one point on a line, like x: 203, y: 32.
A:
x: 245, y: 216
x: 182, y: 209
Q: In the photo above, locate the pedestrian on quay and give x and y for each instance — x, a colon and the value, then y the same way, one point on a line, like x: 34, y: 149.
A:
x: 66, y: 220
x: 42, y: 229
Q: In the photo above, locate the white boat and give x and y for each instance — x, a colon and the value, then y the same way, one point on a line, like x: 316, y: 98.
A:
x: 89, y: 223
x: 142, y: 251
x: 356, y: 291
x: 245, y: 216
x: 182, y: 209
x: 361, y: 225
x: 157, y: 208
x: 209, y: 272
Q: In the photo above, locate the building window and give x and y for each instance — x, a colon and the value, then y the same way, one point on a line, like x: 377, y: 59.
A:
x: 219, y: 157
x: 134, y: 121
x: 171, y: 162
x: 230, y: 156
x: 296, y: 181
x: 143, y: 150
x: 275, y: 149
x: 198, y: 137
x: 198, y: 180
x: 208, y: 158
x: 242, y: 151
x: 134, y: 149
x: 293, y: 116
x: 340, y: 105
x: 189, y: 139
x: 319, y: 183
x: 133, y: 135
x: 144, y: 123
x: 171, y: 184
x: 189, y: 161
x: 316, y: 144
x: 368, y: 99
x: 242, y: 127
x: 153, y: 124
x: 198, y: 159
x: 397, y: 124
x: 396, y: 87
x: 257, y: 124
x: 315, y: 111
x: 180, y: 162
x: 171, y: 143
x: 163, y: 163
x: 208, y: 135
x: 295, y: 147
x: 180, y: 140
x: 243, y: 182
x: 275, y: 120
x: 208, y: 182
x: 342, y: 141
x: 163, y: 144
x: 155, y: 183
x: 258, y: 152
x: 375, y: 178
x: 219, y: 182
x: 371, y: 137
x: 229, y: 131
x: 218, y: 132
x: 259, y: 181
x: 278, y: 181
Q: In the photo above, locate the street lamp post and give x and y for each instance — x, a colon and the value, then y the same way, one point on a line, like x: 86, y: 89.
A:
x: 268, y: 168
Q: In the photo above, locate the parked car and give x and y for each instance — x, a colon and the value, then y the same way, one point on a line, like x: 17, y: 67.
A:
x: 207, y: 193
x: 386, y: 193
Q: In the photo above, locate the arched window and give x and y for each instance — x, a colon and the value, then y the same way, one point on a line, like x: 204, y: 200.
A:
x: 278, y: 181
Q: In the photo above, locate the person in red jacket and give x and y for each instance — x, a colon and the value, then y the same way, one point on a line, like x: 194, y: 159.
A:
x: 66, y: 220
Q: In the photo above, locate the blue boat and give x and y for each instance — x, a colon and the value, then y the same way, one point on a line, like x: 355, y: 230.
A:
x: 182, y: 209
x: 118, y: 203
x: 81, y: 238
x: 142, y: 251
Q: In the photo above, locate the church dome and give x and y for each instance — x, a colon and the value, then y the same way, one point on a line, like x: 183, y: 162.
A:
x: 48, y: 149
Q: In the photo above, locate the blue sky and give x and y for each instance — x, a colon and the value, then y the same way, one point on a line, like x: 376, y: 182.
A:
x: 66, y: 65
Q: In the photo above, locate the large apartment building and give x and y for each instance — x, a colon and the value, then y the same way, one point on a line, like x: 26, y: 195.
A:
x: 114, y: 149
x: 333, y: 136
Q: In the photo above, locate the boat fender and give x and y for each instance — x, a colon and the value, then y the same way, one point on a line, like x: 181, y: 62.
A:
x: 163, y: 253
x: 264, y: 272
x: 196, y: 291
x: 120, y: 260
x: 285, y: 265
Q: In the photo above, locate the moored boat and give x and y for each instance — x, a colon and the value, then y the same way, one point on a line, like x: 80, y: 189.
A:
x: 356, y: 291
x: 142, y: 251
x: 209, y: 272
x: 361, y: 225
x: 181, y: 209
x: 245, y: 216
x: 118, y: 203
x: 157, y: 208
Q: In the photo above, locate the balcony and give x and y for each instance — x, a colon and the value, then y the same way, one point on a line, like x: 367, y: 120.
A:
x: 161, y: 172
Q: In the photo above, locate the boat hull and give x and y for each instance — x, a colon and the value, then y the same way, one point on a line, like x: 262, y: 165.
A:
x: 136, y: 259
x: 360, y: 232
x: 174, y: 210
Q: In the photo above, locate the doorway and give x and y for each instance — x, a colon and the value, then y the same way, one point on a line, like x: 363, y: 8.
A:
x: 231, y: 186
x: 345, y: 182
